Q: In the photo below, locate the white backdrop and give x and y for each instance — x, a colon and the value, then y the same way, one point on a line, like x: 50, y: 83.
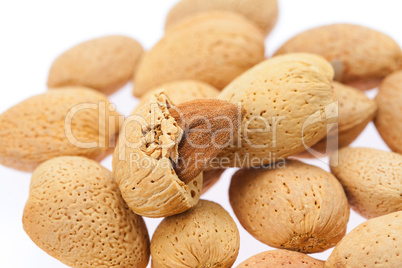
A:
x: 33, y: 33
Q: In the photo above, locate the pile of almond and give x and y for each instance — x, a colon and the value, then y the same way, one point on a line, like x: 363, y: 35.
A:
x: 211, y: 101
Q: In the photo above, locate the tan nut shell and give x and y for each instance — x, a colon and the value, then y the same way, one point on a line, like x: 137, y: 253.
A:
x: 281, y: 258
x: 374, y: 243
x: 143, y: 168
x: 297, y: 207
x: 355, y: 111
x: 264, y: 13
x: 389, y: 116
x: 204, y: 236
x: 213, y: 47
x: 366, y: 55
x: 181, y: 91
x: 76, y: 214
x: 372, y: 179
x: 104, y: 64
x: 282, y: 95
x: 34, y: 130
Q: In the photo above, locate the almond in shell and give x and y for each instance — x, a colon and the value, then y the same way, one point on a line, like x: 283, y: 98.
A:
x: 214, y: 47
x: 66, y: 122
x: 372, y: 179
x: 294, y: 206
x: 361, y: 56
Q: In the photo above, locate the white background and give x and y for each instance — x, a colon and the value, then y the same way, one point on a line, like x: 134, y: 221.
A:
x: 33, y: 33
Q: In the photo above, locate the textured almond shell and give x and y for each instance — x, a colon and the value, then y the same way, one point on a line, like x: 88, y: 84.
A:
x: 204, y: 236
x: 213, y: 47
x: 285, y: 92
x: 389, y: 116
x: 374, y: 243
x: 34, y: 129
x: 297, y: 207
x: 263, y: 13
x: 105, y: 64
x: 281, y: 258
x: 76, y: 214
x: 144, y: 170
x: 372, y: 179
x: 181, y: 91
x: 355, y: 111
x: 365, y: 55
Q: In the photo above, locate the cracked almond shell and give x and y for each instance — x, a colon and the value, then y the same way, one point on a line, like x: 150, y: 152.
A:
x: 374, y: 243
x: 284, y: 98
x: 181, y: 91
x: 76, y: 214
x: 263, y: 13
x: 143, y: 162
x: 281, y: 258
x: 355, y: 111
x: 372, y: 179
x: 389, y: 117
x: 105, y: 64
x: 36, y: 129
x: 297, y: 206
x: 213, y: 47
x: 204, y: 236
x: 364, y: 56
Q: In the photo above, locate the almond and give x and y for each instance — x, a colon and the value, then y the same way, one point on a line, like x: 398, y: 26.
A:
x: 204, y: 236
x: 203, y: 121
x: 389, y: 118
x: 372, y: 179
x: 281, y: 258
x: 355, y: 111
x: 213, y: 47
x: 76, y: 214
x: 151, y: 145
x: 104, y: 64
x: 291, y: 206
x: 362, y: 66
x: 181, y: 91
x: 374, y: 243
x: 264, y: 13
x: 38, y: 128
x: 288, y: 100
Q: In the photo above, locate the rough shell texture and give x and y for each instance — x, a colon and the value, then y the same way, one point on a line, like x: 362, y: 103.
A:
x: 213, y: 47
x: 389, y: 116
x: 297, y: 207
x: 76, y: 214
x: 281, y: 258
x: 105, y: 64
x: 374, y: 243
x: 355, y: 111
x: 35, y: 130
x: 204, y: 236
x: 142, y: 162
x: 285, y: 98
x: 182, y: 91
x: 365, y: 55
x: 372, y: 179
x: 264, y: 13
